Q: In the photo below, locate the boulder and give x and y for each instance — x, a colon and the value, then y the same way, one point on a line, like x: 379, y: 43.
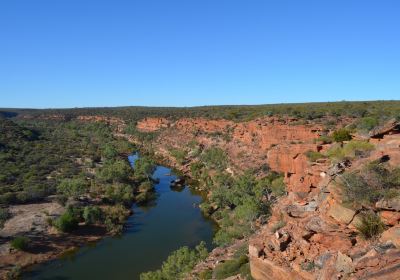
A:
x: 296, y: 211
x: 317, y: 224
x: 393, y: 235
x: 264, y: 269
x: 389, y: 204
x: 341, y: 213
x: 390, y: 218
x: 344, y: 263
x: 391, y: 126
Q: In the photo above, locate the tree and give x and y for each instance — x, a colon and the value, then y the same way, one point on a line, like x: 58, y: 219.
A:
x: 92, y: 214
x: 144, y: 168
x: 341, y: 135
x: 20, y: 243
x: 116, y: 171
x: 74, y: 187
x: 178, y: 264
x: 109, y: 152
x: 66, y: 222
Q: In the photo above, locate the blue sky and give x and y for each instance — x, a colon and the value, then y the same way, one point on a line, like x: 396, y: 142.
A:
x: 74, y: 53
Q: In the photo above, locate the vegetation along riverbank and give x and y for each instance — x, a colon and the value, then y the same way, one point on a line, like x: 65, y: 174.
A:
x: 282, y: 181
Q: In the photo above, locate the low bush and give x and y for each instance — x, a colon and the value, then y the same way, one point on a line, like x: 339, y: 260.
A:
x: 278, y: 187
x: 178, y: 264
x: 20, y: 243
x: 4, y: 216
x: 146, y: 186
x: 119, y: 193
x: 114, y: 218
x: 372, y: 182
x: 341, y: 135
x: 74, y: 187
x: 324, y: 139
x: 144, y: 168
x: 196, y: 169
x: 350, y: 150
x: 115, y: 171
x: 92, y: 215
x: 313, y: 155
x: 67, y: 222
x: 371, y: 225
x: 14, y: 273
x: 230, y: 267
x: 179, y: 155
x: 215, y: 158
x: 205, y: 274
x: 145, y: 197
x: 367, y: 123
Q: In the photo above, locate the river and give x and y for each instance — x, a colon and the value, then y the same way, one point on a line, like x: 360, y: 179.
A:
x: 152, y: 233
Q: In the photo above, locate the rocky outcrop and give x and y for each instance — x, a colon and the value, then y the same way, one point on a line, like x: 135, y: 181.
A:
x: 323, y: 241
x: 311, y: 233
x: 390, y: 127
x: 152, y: 124
x: 118, y: 123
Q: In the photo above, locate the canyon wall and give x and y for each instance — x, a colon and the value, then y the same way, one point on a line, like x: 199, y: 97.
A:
x: 311, y: 233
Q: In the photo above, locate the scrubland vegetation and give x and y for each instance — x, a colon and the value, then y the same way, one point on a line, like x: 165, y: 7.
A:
x: 375, y: 110
x: 371, y: 183
x: 83, y: 167
x: 178, y: 264
x: 79, y: 165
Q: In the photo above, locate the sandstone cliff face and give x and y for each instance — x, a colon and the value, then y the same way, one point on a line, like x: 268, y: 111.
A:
x: 316, y: 237
x: 248, y: 144
x: 319, y: 239
x: 152, y: 124
x: 117, y: 122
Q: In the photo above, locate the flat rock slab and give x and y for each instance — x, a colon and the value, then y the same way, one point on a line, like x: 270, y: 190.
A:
x: 30, y: 218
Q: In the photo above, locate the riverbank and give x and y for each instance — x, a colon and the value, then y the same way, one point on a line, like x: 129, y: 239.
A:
x: 45, y: 242
x: 169, y: 222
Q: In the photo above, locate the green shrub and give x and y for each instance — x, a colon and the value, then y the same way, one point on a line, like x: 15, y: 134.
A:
x: 278, y: 187
x: 370, y: 184
x: 4, y: 216
x: 350, y: 150
x: 324, y: 139
x: 179, y: 155
x: 72, y: 187
x: 120, y: 193
x: 341, y: 135
x: 367, y: 123
x: 92, y: 214
x: 145, y: 197
x: 144, y: 168
x: 215, y: 158
x: 114, y: 218
x: 20, y: 243
x: 205, y: 274
x: 146, y: 186
x: 240, y: 201
x: 313, y: 155
x: 196, y: 169
x: 109, y: 152
x: 8, y: 198
x: 14, y: 273
x: 371, y: 225
x: 230, y: 267
x: 115, y: 171
x: 67, y: 222
x: 178, y: 264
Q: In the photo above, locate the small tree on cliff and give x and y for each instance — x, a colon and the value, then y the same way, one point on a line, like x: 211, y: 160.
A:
x: 341, y: 135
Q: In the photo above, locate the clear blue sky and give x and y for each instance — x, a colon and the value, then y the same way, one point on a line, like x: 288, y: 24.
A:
x: 73, y: 53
